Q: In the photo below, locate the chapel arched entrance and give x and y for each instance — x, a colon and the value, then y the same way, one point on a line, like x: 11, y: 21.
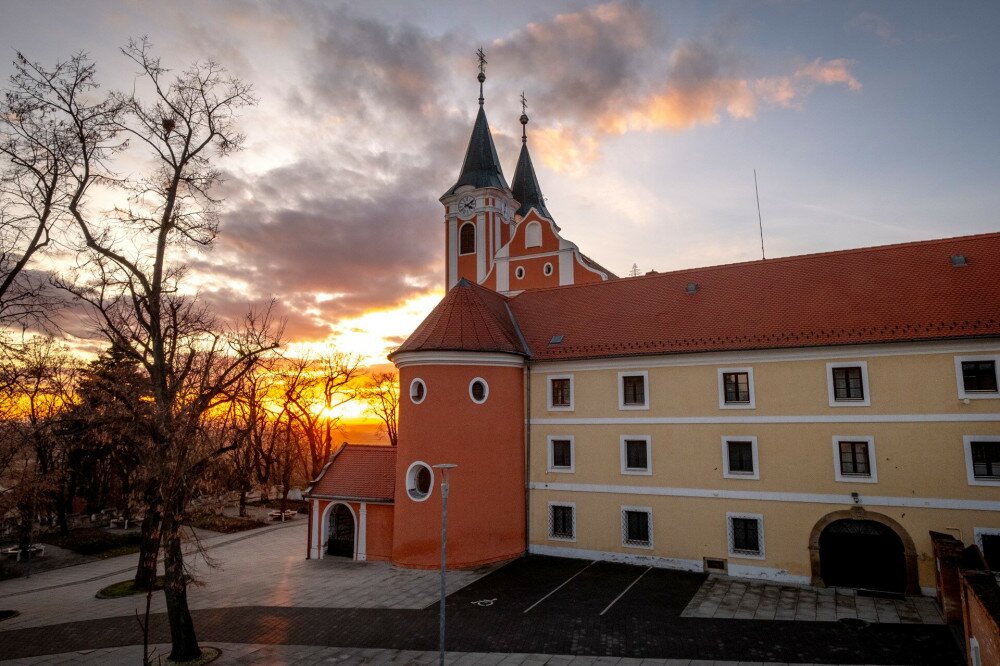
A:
x: 863, y: 550
x: 342, y: 529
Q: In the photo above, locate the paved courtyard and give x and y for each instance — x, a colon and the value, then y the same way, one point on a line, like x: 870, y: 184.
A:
x: 269, y: 605
x: 723, y: 597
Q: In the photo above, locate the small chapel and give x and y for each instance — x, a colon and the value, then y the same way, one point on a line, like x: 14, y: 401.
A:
x: 808, y: 419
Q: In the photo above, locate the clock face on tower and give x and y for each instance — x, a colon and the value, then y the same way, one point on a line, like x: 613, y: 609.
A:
x: 466, y: 205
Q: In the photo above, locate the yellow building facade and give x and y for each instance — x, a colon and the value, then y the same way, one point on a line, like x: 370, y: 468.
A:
x: 742, y: 461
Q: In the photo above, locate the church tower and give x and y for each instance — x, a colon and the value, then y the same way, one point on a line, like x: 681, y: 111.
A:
x: 479, y: 207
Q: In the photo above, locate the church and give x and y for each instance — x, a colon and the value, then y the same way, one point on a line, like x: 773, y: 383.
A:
x: 806, y: 419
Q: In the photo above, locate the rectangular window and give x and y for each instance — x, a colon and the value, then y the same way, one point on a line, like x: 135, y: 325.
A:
x: 991, y: 550
x: 562, y: 522
x: 636, y: 528
x: 854, y: 460
x: 561, y: 453
x: 985, y: 460
x: 560, y: 392
x: 979, y: 376
x: 634, y: 390
x: 737, y: 387
x: 740, y: 457
x: 746, y: 535
x: 636, y: 454
x: 848, y: 384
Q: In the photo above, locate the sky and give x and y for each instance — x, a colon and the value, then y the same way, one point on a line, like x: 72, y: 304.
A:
x: 867, y: 123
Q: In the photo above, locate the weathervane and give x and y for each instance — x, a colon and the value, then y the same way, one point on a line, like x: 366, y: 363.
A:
x: 482, y: 72
x: 524, y: 118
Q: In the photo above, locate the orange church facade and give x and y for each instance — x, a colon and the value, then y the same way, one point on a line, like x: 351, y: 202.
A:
x: 807, y: 420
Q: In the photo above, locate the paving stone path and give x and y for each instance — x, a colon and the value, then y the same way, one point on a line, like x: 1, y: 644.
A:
x: 722, y: 597
x: 263, y: 592
x: 309, y: 655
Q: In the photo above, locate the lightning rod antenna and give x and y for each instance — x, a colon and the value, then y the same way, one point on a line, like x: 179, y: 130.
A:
x: 760, y: 221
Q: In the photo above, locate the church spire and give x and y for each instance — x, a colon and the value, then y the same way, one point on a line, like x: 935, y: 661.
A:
x: 481, y: 167
x: 525, y: 184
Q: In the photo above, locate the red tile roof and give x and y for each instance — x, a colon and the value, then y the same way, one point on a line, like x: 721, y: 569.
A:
x: 892, y: 293
x: 469, y: 318
x: 357, y: 471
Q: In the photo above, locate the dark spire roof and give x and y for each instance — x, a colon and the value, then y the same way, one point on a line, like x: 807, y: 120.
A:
x: 525, y: 187
x: 482, y: 166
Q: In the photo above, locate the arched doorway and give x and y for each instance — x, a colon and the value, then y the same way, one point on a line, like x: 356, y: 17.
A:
x: 341, y: 541
x: 864, y: 550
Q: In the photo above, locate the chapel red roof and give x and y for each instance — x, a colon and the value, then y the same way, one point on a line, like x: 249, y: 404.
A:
x: 358, y: 472
x: 891, y: 293
x: 469, y: 318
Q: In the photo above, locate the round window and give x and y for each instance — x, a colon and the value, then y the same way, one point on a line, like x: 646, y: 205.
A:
x: 547, y: 269
x: 479, y: 390
x: 418, y: 391
x: 519, y: 272
x: 419, y: 481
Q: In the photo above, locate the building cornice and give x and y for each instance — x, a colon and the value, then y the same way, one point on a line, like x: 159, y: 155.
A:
x: 405, y: 359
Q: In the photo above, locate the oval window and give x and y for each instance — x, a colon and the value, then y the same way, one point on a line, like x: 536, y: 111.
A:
x: 479, y: 390
x: 418, y: 391
x: 519, y: 272
x: 547, y: 269
x: 419, y: 481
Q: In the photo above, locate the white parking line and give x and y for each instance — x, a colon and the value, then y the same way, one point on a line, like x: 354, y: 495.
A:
x: 624, y: 591
x: 560, y: 587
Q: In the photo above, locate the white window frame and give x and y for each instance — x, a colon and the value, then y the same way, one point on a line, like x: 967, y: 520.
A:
x: 970, y: 471
x: 621, y: 389
x: 831, y: 393
x: 411, y: 478
x: 648, y: 471
x: 977, y: 395
x: 548, y: 391
x: 730, y: 537
x: 547, y: 269
x: 722, y: 390
x: 624, y: 526
x: 553, y: 537
x: 979, y: 532
x: 486, y: 394
x: 550, y: 467
x: 519, y: 273
x: 418, y: 380
x: 726, y: 473
x: 872, y: 464
x: 528, y: 229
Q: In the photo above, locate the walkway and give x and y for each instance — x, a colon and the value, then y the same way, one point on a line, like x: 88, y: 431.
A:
x: 724, y: 598
x: 307, y: 655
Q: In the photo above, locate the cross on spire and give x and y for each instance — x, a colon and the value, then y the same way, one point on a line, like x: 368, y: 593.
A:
x: 524, y: 118
x: 482, y: 72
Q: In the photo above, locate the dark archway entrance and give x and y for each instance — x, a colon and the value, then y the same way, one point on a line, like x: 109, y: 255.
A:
x: 863, y: 549
x: 862, y: 554
x: 341, y: 541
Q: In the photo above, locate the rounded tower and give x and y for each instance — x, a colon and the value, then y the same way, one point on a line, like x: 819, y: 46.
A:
x: 461, y: 378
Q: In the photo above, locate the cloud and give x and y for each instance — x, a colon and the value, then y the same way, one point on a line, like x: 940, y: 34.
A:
x: 874, y: 24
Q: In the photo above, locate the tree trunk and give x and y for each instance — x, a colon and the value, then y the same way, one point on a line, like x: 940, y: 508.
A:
x: 24, y: 528
x: 149, y: 548
x: 184, y: 642
x: 243, y: 502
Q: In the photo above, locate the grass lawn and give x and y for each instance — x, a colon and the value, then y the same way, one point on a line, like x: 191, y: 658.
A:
x: 125, y: 588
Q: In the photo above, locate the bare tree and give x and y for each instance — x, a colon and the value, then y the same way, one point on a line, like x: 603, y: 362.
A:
x: 132, y: 275
x: 381, y: 392
x: 314, y: 389
x: 38, y: 155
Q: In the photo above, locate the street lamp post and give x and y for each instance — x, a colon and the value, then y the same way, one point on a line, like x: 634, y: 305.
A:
x: 444, y: 467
